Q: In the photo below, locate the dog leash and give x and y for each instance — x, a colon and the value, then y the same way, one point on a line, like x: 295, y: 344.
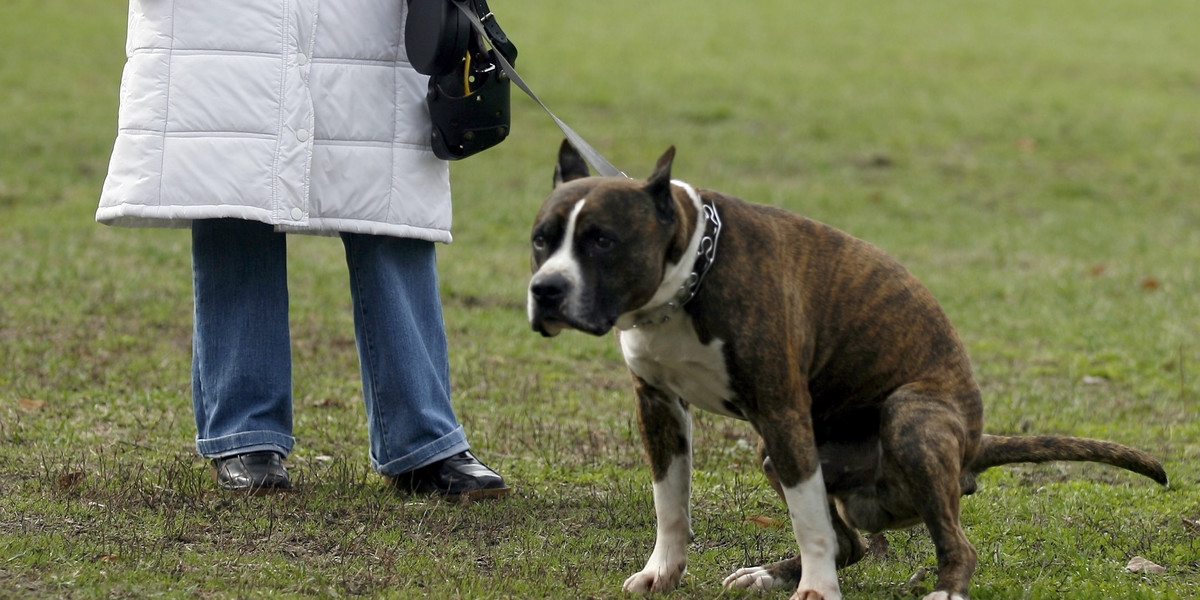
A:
x: 707, y: 251
x: 594, y: 158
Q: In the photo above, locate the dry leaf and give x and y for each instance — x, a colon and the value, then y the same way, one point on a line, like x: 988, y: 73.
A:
x: 1150, y: 284
x: 69, y: 480
x: 31, y: 404
x: 1027, y: 144
x: 109, y: 558
x: 1140, y: 565
x: 1191, y: 524
x: 877, y: 545
x: 764, y: 522
x: 1098, y: 269
x: 910, y: 586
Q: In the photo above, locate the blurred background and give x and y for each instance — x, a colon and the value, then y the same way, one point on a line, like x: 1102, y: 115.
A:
x: 1036, y: 164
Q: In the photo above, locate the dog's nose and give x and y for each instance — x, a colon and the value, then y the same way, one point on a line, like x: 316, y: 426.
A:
x: 548, y: 289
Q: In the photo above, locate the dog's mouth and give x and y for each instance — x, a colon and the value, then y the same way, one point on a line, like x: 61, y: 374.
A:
x: 550, y: 328
x: 553, y: 308
x: 554, y: 324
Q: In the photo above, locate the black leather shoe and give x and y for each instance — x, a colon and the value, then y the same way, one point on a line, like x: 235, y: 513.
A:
x: 459, y: 477
x: 253, y: 472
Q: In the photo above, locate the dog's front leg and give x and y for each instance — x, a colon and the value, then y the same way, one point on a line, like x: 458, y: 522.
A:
x: 666, y: 428
x: 787, y: 431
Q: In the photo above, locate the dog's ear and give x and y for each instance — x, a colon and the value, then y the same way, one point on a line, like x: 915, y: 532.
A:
x: 658, y: 186
x: 570, y: 164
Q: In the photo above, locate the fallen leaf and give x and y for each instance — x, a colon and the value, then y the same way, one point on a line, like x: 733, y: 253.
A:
x: 31, y: 404
x: 1150, y: 284
x: 69, y: 480
x: 877, y: 545
x: 1191, y: 524
x: 764, y: 521
x: 1027, y: 144
x: 1140, y: 565
x: 109, y: 558
x: 911, y: 586
x: 1099, y: 269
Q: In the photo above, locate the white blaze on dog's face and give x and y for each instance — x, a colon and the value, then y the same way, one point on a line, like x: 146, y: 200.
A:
x: 560, y: 269
x: 600, y: 246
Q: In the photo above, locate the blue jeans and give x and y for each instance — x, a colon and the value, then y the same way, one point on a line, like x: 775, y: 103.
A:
x: 241, y: 347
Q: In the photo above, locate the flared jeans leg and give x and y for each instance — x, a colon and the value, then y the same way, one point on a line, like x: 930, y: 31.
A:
x: 402, y: 351
x: 241, y: 348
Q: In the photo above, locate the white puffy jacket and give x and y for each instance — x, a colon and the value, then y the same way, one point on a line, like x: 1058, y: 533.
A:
x: 304, y: 114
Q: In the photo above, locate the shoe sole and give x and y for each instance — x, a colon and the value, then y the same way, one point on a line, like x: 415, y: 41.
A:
x: 259, y: 491
x: 477, y: 495
x: 463, y: 498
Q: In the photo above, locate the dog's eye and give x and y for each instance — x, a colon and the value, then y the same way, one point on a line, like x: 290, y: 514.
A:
x: 594, y: 241
x: 539, y: 243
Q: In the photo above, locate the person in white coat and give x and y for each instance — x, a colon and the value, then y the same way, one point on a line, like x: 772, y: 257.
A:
x: 246, y: 121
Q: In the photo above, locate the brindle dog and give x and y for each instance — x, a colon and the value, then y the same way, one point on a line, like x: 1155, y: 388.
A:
x: 869, y: 414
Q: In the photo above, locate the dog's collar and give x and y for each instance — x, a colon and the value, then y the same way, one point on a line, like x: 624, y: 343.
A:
x: 706, y: 253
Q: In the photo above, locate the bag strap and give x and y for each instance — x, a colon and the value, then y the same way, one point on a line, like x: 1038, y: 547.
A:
x: 500, y: 43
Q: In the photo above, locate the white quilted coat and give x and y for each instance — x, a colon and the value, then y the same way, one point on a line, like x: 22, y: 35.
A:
x: 304, y: 114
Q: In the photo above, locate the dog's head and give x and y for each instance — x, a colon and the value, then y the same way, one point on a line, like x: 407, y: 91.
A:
x: 601, y: 245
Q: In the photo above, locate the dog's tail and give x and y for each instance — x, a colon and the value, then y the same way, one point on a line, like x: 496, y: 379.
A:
x: 995, y: 450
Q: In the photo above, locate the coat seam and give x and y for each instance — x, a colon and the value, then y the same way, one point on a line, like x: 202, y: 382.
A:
x: 162, y: 157
x: 381, y: 62
x: 279, y: 129
x: 312, y: 110
x: 391, y: 199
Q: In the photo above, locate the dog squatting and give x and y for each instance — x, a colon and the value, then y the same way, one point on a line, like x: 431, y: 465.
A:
x: 845, y: 365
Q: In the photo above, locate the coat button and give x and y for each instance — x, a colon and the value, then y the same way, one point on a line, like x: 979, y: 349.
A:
x: 296, y: 214
x: 301, y: 59
x: 302, y: 135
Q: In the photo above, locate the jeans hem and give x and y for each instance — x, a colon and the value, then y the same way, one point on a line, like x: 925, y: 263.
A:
x: 245, y: 442
x: 441, y: 448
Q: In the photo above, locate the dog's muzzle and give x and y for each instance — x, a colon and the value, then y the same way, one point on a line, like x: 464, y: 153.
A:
x: 555, y: 304
x: 547, y: 303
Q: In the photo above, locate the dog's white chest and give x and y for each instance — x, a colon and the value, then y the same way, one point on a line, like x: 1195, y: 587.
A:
x: 670, y: 357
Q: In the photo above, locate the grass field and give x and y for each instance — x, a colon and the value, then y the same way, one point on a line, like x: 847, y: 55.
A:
x: 1037, y: 164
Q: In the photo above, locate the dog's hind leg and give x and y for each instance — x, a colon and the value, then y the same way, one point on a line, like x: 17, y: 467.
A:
x: 928, y: 442
x: 666, y: 428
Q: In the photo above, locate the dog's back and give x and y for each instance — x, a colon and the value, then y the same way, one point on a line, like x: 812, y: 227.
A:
x: 856, y: 324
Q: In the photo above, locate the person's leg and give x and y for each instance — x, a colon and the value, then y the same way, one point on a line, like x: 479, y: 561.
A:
x: 416, y: 440
x: 402, y: 352
x: 241, y: 361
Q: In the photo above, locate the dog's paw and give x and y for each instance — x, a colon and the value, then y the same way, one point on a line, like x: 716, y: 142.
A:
x: 818, y: 588
x: 752, y: 578
x: 654, y: 579
x: 814, y: 594
x: 940, y: 595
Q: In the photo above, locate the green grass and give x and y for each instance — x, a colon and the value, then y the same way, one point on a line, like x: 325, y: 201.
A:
x: 1037, y: 164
